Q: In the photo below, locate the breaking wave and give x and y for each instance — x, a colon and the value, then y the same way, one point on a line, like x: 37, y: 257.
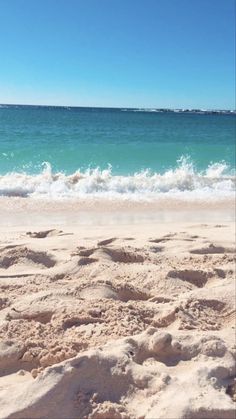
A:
x: 184, y: 181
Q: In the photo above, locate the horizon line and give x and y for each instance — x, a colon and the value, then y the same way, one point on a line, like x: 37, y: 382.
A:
x: 120, y: 107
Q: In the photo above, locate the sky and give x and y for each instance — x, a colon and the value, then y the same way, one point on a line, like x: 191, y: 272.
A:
x: 118, y: 53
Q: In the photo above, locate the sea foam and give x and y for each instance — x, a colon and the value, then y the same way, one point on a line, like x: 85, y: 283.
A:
x: 183, y: 181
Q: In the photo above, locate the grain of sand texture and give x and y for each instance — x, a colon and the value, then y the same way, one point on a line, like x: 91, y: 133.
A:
x: 111, y: 322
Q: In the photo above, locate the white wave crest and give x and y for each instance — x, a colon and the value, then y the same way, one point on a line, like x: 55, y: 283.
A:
x: 184, y: 181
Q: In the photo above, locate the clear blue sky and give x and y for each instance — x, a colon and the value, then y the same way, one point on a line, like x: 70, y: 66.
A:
x: 138, y: 53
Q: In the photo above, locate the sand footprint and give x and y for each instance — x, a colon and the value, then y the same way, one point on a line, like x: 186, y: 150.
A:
x: 106, y: 242
x: 86, y: 261
x: 46, y: 233
x: 121, y: 255
x: 198, y: 278
x: 25, y: 255
x: 212, y: 249
x: 122, y: 293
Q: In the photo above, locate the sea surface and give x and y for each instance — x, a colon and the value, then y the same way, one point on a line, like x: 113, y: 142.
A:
x: 65, y: 152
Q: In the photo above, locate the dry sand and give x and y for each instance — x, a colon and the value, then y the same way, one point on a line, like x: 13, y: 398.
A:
x: 130, y: 320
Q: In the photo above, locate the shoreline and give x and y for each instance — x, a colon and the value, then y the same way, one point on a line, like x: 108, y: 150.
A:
x: 26, y: 211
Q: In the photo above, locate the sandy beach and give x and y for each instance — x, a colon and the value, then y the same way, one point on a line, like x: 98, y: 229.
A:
x: 117, y: 209
x: 129, y: 317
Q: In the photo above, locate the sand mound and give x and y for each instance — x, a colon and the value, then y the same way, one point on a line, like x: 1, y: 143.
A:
x: 116, y: 380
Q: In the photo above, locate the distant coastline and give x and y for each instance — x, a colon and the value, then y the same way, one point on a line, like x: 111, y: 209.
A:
x: 128, y: 109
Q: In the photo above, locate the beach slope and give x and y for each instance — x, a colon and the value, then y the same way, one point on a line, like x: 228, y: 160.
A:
x: 118, y: 321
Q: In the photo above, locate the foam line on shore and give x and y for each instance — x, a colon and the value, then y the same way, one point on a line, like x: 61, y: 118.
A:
x: 182, y: 182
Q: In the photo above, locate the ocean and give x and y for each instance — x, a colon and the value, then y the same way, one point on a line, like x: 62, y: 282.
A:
x: 66, y: 152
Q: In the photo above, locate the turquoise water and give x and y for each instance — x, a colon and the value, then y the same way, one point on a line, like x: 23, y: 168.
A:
x: 73, y: 140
